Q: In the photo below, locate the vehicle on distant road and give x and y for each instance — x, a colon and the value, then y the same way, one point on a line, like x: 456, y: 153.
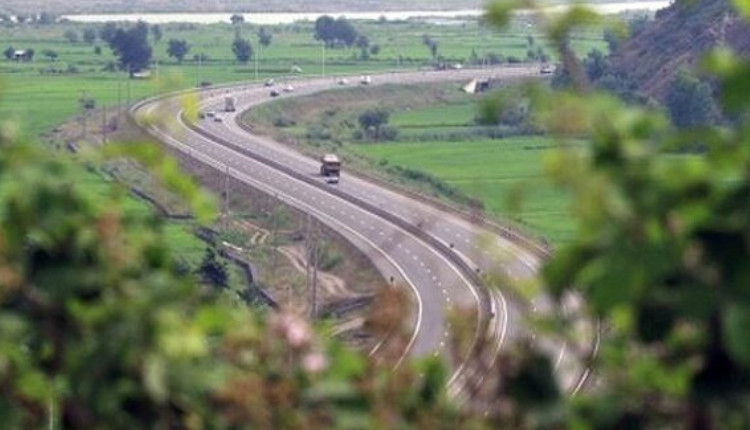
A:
x: 365, y: 80
x: 217, y: 118
x: 229, y: 104
x: 269, y: 83
x: 274, y: 93
x: 547, y: 69
x: 330, y: 168
x: 343, y: 81
x: 210, y: 114
x: 288, y: 89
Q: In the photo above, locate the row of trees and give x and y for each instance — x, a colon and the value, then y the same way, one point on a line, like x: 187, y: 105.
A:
x: 43, y: 18
x: 335, y: 32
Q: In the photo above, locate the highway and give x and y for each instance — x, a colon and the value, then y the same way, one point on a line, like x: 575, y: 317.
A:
x: 440, y: 255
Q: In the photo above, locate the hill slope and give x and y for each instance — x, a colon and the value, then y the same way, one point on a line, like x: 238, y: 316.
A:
x: 676, y: 39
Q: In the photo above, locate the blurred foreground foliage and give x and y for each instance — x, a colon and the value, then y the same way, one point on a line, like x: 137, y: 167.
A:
x: 100, y: 328
x: 661, y: 254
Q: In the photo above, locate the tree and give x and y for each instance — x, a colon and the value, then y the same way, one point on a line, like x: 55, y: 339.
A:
x: 237, y: 19
x: 71, y: 35
x: 156, y: 33
x: 690, y: 102
x: 89, y: 35
x: 30, y: 54
x: 213, y: 269
x: 375, y: 49
x: 104, y: 329
x: 431, y: 44
x: 363, y: 42
x: 264, y: 37
x: 108, y: 31
x: 658, y: 257
x: 242, y: 50
x: 596, y: 65
x: 335, y: 32
x: 372, y: 120
x: 178, y: 49
x: 9, y: 53
x: 46, y: 18
x: 50, y: 54
x: 132, y: 48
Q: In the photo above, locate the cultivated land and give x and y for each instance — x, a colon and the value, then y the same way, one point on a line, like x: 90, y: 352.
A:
x: 439, y: 150
x: 114, y: 6
x: 43, y: 93
x: 505, y: 174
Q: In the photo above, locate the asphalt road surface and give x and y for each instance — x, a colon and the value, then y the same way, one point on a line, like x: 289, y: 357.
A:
x: 438, y: 254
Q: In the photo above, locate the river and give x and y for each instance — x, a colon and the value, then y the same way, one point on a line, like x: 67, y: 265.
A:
x: 288, y: 18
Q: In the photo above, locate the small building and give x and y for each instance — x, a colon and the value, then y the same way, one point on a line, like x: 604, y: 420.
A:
x: 142, y: 74
x: 21, y: 56
x: 477, y: 86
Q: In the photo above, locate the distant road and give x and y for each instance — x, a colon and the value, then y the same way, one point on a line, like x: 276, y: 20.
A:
x: 440, y: 255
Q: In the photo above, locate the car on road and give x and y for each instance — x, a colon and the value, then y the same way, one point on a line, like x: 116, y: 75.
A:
x: 343, y: 81
x: 201, y: 115
x: 274, y: 93
x: 333, y: 180
x: 217, y: 118
x: 547, y: 69
x: 365, y: 80
x: 288, y: 89
x: 270, y: 83
x: 210, y: 114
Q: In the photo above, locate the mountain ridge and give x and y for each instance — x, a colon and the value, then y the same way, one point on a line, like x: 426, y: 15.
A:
x: 678, y: 38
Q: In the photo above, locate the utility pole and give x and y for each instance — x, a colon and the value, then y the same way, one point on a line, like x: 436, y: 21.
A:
x: 274, y: 232
x: 104, y: 125
x: 308, y: 245
x: 315, y: 256
x: 119, y: 99
x: 323, y: 59
x: 225, y: 205
x: 257, y: 56
x: 200, y: 65
x: 83, y: 113
x: 130, y: 78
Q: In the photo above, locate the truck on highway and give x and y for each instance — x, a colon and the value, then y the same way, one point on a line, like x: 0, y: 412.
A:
x: 229, y: 104
x: 330, y: 168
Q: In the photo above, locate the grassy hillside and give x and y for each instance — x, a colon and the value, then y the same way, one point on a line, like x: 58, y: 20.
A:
x: 676, y: 39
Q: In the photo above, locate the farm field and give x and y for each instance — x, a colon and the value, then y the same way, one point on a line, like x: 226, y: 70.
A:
x: 505, y: 174
x: 439, y: 149
x: 46, y: 91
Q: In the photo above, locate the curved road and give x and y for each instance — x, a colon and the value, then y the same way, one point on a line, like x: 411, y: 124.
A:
x: 435, y: 252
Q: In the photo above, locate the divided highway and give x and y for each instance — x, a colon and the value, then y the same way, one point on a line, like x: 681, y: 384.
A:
x: 438, y: 254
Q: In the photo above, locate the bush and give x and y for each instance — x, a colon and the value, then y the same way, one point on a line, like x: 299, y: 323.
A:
x: 388, y: 133
x: 283, y: 121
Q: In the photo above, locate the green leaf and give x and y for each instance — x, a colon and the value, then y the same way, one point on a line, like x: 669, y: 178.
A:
x: 743, y: 7
x: 155, y: 378
x: 736, y: 319
x: 499, y: 12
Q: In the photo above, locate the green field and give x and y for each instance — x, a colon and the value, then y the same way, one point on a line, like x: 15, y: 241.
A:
x: 43, y: 93
x: 505, y: 174
x: 437, y: 136
x: 178, y: 234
